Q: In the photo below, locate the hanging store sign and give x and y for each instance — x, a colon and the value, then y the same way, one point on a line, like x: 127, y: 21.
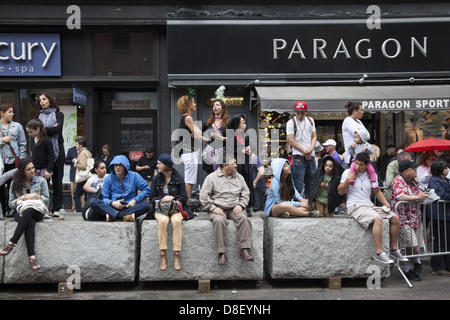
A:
x: 406, y: 104
x: 268, y: 47
x: 30, y: 54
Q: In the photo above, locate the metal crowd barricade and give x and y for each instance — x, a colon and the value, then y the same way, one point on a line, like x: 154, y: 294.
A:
x: 433, y: 232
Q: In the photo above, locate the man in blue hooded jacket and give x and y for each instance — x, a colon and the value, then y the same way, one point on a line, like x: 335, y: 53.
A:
x: 120, y: 198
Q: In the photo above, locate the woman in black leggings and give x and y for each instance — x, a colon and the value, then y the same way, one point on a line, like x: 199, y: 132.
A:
x: 27, y: 186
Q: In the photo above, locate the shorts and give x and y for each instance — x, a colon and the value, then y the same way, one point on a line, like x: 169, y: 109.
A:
x: 365, y: 215
x: 190, y: 161
x: 410, y: 237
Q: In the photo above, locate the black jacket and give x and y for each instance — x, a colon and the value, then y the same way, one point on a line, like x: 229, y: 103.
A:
x: 177, y: 189
x: 334, y: 199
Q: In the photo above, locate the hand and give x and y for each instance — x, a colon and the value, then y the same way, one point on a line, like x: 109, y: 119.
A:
x: 305, y: 204
x: 132, y: 203
x: 117, y: 205
x: 6, y: 139
x: 351, y: 176
x: 30, y: 196
x: 237, y: 209
x: 422, y: 195
x: 47, y: 175
x: 218, y: 211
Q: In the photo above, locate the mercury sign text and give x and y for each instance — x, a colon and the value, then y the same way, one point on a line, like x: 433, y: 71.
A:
x: 30, y: 54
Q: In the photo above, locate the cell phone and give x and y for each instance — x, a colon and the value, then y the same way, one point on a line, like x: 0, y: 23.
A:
x: 123, y: 202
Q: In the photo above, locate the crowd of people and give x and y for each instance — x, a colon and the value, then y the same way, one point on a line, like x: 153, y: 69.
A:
x: 318, y: 182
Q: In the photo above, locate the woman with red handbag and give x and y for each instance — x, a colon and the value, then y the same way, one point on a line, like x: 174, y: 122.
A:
x: 168, y: 198
x: 13, y: 146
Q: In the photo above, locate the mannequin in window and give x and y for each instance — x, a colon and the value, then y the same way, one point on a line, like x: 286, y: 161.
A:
x: 413, y: 133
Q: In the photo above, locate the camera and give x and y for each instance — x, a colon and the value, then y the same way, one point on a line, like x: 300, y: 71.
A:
x: 123, y: 202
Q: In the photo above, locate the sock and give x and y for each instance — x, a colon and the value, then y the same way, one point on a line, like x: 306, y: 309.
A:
x: 408, y: 266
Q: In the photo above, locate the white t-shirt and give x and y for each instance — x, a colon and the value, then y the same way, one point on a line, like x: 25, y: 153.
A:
x: 304, y: 132
x: 96, y: 182
x: 349, y: 126
x: 359, y: 193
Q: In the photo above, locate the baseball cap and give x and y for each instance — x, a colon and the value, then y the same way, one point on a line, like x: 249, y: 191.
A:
x: 406, y: 164
x: 301, y: 106
x: 329, y: 142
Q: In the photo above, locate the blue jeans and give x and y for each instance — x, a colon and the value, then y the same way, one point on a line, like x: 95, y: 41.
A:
x: 303, y: 172
x: 103, y: 209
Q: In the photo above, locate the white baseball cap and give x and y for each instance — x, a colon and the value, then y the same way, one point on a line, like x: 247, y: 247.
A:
x: 329, y: 142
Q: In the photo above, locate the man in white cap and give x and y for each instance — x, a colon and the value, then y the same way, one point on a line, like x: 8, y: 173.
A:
x: 330, y: 148
x: 301, y: 134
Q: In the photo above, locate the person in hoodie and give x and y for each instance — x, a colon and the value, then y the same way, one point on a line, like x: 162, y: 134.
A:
x: 120, y: 198
x: 359, y: 145
x: 283, y: 199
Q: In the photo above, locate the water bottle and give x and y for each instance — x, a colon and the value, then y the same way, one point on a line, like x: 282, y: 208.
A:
x: 62, y: 213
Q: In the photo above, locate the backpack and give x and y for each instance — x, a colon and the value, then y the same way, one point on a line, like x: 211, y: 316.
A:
x: 295, y: 124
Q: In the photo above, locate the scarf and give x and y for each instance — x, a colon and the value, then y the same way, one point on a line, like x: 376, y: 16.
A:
x: 48, y: 118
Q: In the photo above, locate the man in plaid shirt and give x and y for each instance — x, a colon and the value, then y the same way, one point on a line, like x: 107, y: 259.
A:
x: 405, y: 188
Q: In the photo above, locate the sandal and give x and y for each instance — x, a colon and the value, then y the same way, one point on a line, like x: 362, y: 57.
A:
x: 7, y: 249
x: 34, y: 264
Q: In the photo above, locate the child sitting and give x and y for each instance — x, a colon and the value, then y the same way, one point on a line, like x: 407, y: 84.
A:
x: 362, y: 145
x: 324, y: 187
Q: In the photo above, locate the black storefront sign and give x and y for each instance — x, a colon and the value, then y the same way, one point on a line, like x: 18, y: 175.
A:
x: 274, y: 48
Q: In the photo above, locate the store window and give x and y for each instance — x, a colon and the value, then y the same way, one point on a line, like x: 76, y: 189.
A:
x: 128, y: 121
x: 6, y: 97
x: 123, y: 54
x: 433, y: 123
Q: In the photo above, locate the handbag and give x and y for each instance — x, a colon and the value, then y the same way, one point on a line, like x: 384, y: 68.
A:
x: 83, y: 175
x: 37, y: 204
x: 166, y: 208
x: 170, y: 207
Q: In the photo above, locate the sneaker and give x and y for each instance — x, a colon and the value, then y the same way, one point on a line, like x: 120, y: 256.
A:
x: 397, y: 255
x: 109, y: 218
x: 383, y: 258
x: 129, y: 218
x: 47, y: 216
x: 313, y: 214
x: 55, y: 214
x: 285, y: 214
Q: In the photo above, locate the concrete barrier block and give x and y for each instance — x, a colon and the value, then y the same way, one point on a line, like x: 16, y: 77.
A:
x: 2, y: 244
x: 198, y: 252
x: 103, y: 251
x: 317, y: 248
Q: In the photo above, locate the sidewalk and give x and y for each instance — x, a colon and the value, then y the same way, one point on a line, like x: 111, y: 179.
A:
x: 392, y: 288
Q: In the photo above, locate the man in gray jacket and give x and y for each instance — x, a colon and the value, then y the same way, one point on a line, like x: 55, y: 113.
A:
x: 224, y: 196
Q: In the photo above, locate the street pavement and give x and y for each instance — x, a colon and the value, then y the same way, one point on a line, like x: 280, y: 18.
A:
x: 392, y: 288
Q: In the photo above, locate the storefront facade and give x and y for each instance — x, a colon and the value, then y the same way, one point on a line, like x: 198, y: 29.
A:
x: 397, y: 72
x: 119, y: 75
x: 106, y: 77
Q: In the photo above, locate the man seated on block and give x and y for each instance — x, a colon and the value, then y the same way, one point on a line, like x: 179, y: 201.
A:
x: 224, y: 196
x: 120, y: 198
x: 361, y: 208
